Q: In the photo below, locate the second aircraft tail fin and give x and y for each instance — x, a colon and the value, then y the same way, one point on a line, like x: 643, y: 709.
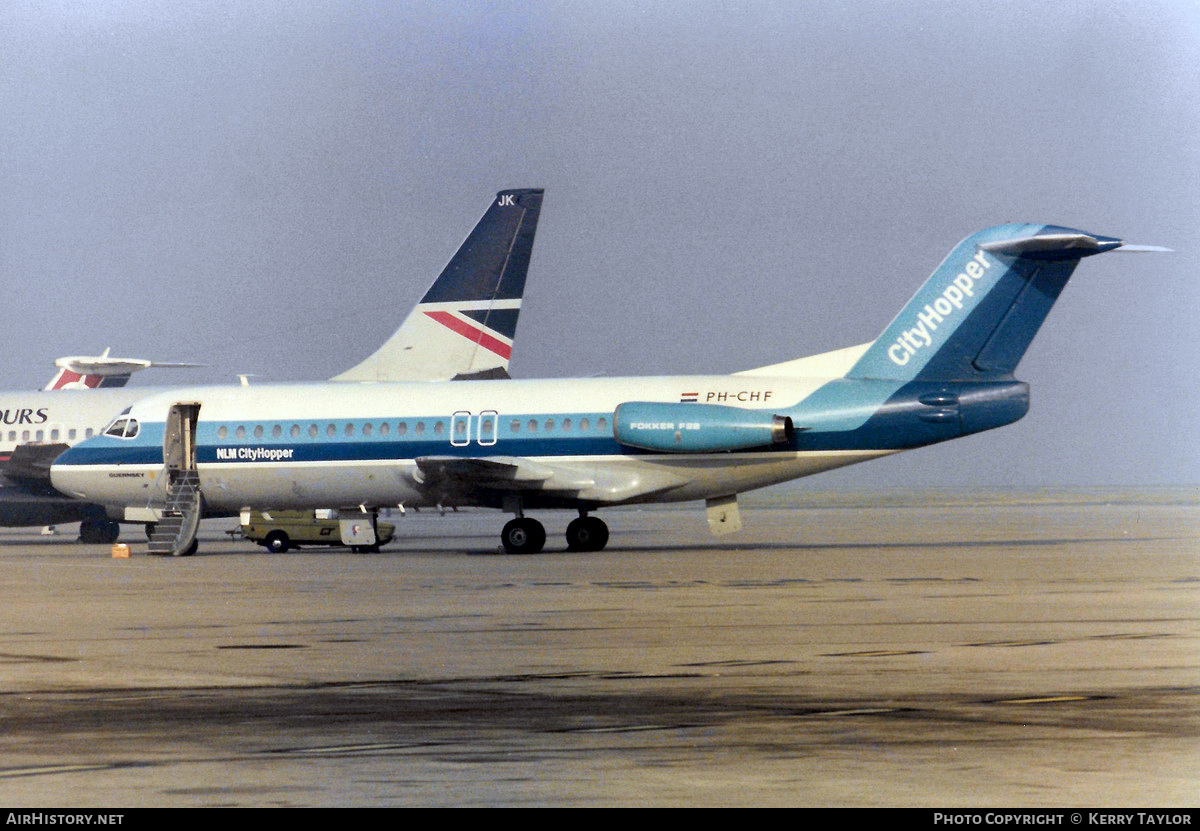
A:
x: 77, y: 372
x: 465, y: 324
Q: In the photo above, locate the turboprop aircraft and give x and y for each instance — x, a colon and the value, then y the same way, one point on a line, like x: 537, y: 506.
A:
x: 942, y: 369
x: 463, y: 327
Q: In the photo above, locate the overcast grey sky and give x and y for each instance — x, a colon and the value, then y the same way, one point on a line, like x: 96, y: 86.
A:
x: 268, y: 187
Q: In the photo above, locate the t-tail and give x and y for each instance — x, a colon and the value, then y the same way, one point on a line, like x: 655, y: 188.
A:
x: 77, y: 372
x: 944, y: 366
x: 975, y: 317
x: 465, y: 324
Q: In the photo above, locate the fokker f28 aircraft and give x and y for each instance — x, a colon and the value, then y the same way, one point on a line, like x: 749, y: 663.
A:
x: 463, y: 327
x: 942, y: 369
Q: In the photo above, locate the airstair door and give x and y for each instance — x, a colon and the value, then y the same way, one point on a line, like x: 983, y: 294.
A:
x: 175, y: 532
x: 179, y: 443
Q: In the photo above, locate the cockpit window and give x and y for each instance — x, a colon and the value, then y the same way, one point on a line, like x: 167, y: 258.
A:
x: 123, y: 428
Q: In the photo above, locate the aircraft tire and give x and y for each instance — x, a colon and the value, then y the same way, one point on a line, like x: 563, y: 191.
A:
x: 190, y: 550
x: 277, y: 542
x: 523, y: 536
x: 99, y: 531
x: 587, y: 533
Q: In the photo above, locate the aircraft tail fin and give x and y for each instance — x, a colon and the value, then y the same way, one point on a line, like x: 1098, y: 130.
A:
x: 76, y: 372
x: 67, y: 379
x: 979, y: 311
x: 465, y: 324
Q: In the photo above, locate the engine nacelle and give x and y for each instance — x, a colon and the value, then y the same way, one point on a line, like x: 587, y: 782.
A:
x: 697, y: 428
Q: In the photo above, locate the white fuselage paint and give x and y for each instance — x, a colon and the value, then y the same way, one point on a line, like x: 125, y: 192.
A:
x: 64, y: 416
x: 269, y: 470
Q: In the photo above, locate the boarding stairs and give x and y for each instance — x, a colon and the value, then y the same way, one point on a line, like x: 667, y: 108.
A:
x: 175, y: 533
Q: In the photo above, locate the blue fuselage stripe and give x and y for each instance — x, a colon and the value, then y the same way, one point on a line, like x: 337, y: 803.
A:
x: 903, y: 420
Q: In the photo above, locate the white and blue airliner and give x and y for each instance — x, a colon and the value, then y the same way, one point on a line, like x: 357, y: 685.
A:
x: 942, y: 369
x: 463, y: 327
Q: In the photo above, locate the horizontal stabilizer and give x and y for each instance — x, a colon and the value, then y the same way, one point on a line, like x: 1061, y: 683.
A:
x: 90, y: 371
x: 495, y: 373
x: 1062, y: 246
x: 1137, y: 249
x: 1051, y: 246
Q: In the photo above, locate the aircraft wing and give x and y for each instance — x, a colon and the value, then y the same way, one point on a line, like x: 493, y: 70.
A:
x: 454, y: 478
x: 509, y: 473
x: 30, y: 463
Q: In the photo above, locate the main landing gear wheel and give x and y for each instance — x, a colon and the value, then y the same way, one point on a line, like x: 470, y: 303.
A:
x: 99, y: 531
x: 523, y: 536
x: 587, y: 533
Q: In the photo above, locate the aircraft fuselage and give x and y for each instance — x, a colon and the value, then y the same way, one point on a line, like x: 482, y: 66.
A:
x: 306, y: 446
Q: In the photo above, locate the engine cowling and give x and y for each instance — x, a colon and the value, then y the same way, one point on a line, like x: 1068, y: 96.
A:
x: 697, y: 428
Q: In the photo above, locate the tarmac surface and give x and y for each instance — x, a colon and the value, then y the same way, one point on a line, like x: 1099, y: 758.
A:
x: 936, y: 650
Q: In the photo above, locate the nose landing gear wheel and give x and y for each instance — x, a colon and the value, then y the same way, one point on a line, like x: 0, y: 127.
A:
x: 587, y: 533
x: 523, y: 536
